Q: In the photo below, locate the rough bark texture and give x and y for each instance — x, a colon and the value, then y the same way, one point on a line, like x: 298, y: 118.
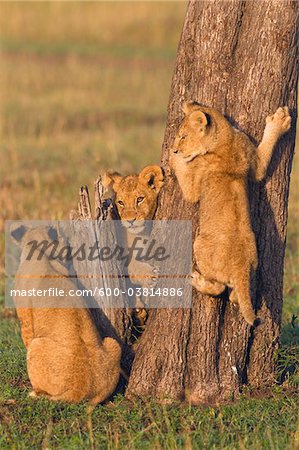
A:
x: 239, y: 57
x: 110, y: 321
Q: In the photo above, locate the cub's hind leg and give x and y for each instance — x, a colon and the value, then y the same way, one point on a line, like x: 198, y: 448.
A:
x: 233, y: 297
x: 205, y: 286
x: 57, y: 371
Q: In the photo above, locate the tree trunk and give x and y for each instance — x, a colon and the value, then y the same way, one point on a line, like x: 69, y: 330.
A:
x: 110, y: 321
x: 239, y: 57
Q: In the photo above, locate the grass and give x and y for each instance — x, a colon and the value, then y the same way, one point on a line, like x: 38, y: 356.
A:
x: 83, y: 91
x: 268, y: 423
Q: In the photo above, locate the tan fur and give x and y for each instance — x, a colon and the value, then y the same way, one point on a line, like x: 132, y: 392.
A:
x: 66, y: 358
x: 212, y: 161
x: 136, y: 201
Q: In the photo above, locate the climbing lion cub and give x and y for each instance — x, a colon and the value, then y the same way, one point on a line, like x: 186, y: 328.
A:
x: 212, y: 161
x: 66, y: 358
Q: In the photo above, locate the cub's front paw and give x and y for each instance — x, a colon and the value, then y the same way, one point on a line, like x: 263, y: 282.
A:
x: 279, y: 122
x: 154, y: 277
x: 143, y: 274
x: 151, y: 279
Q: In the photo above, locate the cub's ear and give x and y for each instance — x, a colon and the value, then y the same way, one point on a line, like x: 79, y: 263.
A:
x: 153, y: 177
x: 111, y: 180
x: 199, y: 119
x: 188, y: 107
x: 17, y: 232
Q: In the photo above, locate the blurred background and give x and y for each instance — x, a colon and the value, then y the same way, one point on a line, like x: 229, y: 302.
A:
x: 84, y: 88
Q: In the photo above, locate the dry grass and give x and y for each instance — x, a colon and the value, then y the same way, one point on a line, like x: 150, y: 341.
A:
x: 79, y: 96
x: 82, y: 91
x: 145, y: 26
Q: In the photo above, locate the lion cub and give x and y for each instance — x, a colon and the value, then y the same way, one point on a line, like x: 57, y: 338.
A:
x: 212, y: 161
x: 136, y: 199
x: 66, y: 358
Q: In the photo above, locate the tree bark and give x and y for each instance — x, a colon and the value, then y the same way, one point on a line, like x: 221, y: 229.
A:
x: 110, y: 321
x: 239, y: 57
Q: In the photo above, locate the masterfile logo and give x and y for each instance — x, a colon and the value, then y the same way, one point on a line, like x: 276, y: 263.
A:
x: 98, y: 264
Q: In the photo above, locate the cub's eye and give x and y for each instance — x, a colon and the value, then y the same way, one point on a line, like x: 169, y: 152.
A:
x: 120, y: 203
x: 140, y: 200
x: 183, y: 137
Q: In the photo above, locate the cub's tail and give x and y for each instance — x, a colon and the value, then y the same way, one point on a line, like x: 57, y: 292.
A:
x: 242, y: 289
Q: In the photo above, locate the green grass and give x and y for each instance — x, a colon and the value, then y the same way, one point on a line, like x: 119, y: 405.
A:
x: 25, y: 423
x: 84, y: 87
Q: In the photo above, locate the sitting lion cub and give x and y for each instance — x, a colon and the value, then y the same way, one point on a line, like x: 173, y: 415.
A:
x: 212, y: 161
x: 66, y: 358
